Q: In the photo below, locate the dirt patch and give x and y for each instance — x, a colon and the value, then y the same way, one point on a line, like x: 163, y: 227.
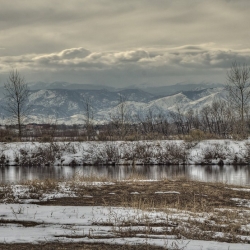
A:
x: 77, y: 246
x: 180, y: 194
x: 23, y: 223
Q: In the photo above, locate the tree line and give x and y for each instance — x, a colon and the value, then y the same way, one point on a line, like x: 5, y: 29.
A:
x: 222, y: 119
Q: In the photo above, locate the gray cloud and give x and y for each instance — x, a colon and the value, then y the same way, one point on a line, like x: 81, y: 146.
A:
x: 45, y: 26
x: 185, y: 56
x: 188, y: 61
x: 117, y: 42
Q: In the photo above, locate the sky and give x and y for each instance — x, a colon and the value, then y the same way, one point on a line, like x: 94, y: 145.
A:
x: 123, y: 43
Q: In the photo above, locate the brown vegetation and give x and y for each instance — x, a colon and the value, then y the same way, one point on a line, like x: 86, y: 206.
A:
x: 194, y: 210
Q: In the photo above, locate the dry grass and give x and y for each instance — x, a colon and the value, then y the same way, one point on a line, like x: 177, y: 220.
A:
x: 77, y: 246
x: 79, y: 178
x: 199, y: 210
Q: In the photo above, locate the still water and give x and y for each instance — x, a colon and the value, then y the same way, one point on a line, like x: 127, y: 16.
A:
x: 239, y: 175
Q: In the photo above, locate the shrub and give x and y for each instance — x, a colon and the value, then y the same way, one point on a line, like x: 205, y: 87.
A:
x: 215, y: 152
x: 144, y: 152
x: 175, y: 154
x: 4, y: 160
x: 108, y: 154
x: 43, y: 155
x: 245, y: 154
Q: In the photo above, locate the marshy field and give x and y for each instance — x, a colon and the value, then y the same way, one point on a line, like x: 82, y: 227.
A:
x: 86, y: 212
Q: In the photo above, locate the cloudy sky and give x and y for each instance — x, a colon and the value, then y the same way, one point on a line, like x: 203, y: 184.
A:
x: 121, y: 43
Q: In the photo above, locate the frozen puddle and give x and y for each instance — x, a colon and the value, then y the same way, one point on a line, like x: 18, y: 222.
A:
x: 28, y: 223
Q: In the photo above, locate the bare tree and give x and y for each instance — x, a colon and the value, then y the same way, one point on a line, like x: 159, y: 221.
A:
x: 238, y: 87
x: 89, y: 116
x: 16, y: 94
x: 146, y: 121
x: 178, y: 118
x: 217, y: 118
x: 121, y: 118
x: 163, y: 125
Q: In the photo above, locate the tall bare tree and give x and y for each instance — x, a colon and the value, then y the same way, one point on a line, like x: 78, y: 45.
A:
x: 217, y: 118
x: 121, y: 117
x: 16, y: 95
x: 89, y: 115
x: 238, y: 87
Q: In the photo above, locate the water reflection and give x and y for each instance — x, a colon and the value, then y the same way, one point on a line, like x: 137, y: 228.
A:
x: 229, y: 174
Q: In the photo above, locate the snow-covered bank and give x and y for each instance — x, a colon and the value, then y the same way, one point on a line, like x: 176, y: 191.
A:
x: 138, y: 152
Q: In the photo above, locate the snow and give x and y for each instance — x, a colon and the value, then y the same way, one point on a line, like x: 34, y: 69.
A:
x: 169, y: 102
x: 168, y: 192
x: 64, y: 220
x: 241, y: 189
x: 152, y: 152
x: 106, y: 224
x: 22, y: 193
x: 242, y: 202
x: 63, y: 223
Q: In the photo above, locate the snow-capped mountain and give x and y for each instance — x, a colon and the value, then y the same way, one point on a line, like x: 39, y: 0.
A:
x: 67, y: 105
x: 177, y: 88
x: 165, y: 105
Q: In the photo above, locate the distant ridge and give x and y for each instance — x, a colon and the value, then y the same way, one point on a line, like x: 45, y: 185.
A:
x: 64, y: 102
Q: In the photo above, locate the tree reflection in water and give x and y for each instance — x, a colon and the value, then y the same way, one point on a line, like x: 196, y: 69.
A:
x: 229, y: 174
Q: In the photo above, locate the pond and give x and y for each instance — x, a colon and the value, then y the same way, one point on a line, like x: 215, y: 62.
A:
x: 238, y: 175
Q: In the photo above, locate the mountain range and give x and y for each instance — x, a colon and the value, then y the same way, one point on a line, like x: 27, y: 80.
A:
x: 62, y: 102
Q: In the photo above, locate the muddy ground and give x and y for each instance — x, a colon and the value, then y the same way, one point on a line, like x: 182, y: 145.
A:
x: 77, y: 246
x: 185, y: 194
x: 182, y: 194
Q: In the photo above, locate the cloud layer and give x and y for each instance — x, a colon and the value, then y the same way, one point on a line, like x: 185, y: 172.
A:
x: 185, y: 60
x: 120, y: 42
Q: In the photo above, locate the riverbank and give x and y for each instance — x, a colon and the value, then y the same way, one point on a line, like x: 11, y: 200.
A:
x: 170, y: 213
x: 175, y: 152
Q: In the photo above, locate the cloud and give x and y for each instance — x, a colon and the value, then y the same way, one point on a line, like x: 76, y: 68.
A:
x: 120, y: 42
x: 103, y: 25
x: 192, y: 63
x: 68, y: 54
x: 189, y: 56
